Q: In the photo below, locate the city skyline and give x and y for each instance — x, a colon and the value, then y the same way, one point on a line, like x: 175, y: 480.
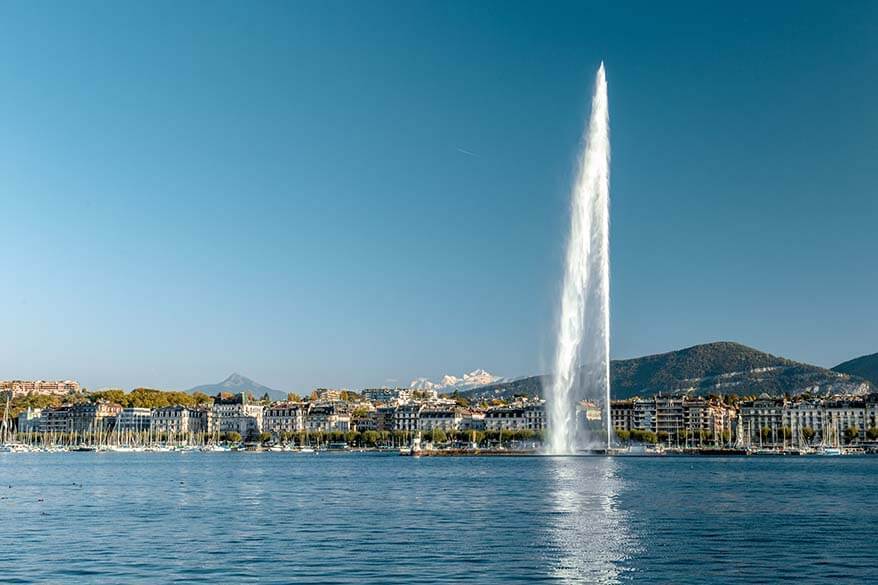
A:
x: 316, y: 197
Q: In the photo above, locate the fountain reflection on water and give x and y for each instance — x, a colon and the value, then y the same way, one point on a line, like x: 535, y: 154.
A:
x: 584, y: 319
x: 590, y: 533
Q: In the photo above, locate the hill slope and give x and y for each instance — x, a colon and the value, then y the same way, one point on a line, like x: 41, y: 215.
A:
x: 236, y: 383
x: 713, y: 368
x: 865, y: 367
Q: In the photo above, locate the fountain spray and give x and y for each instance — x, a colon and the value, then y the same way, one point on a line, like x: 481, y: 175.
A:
x: 584, y: 316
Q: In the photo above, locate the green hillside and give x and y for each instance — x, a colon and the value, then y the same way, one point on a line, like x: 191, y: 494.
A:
x: 713, y: 368
x: 865, y: 367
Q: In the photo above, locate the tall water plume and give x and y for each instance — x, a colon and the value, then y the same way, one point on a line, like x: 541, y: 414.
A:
x: 584, y: 318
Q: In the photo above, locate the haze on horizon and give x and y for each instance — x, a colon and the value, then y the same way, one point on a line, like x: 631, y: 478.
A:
x: 351, y: 195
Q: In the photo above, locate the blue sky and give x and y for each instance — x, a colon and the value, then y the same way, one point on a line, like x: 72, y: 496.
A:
x: 353, y: 194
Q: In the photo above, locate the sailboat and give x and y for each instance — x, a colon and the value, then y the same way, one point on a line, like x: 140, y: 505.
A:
x: 830, y: 446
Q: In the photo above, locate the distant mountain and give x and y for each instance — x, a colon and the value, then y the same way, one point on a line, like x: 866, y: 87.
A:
x: 713, y: 368
x: 865, y: 367
x: 451, y: 383
x: 237, y: 383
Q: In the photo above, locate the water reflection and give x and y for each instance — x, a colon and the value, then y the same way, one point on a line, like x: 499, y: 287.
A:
x: 590, y: 533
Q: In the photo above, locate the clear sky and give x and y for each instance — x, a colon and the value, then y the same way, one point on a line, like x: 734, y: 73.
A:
x: 359, y: 193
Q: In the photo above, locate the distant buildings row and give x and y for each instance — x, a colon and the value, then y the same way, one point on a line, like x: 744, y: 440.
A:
x: 49, y: 387
x: 766, y: 421
x: 248, y: 418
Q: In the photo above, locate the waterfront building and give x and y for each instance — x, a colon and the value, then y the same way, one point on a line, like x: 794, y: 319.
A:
x: 327, y: 418
x: 364, y: 418
x: 94, y: 417
x: 870, y: 406
x: 446, y: 419
x: 761, y: 422
x: 385, y: 417
x: 675, y: 419
x: 803, y: 418
x: 29, y: 420
x: 284, y: 417
x: 622, y: 414
x: 178, y: 421
x: 472, y: 420
x: 55, y: 420
x: 705, y: 419
x: 407, y: 416
x: 847, y: 415
x: 237, y: 414
x: 529, y: 417
x: 590, y: 411
x: 133, y: 420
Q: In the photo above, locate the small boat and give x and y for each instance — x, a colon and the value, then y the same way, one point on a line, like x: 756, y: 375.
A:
x: 13, y: 448
x: 830, y: 452
x: 306, y: 450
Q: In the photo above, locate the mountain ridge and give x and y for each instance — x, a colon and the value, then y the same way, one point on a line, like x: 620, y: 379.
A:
x: 721, y: 367
x: 865, y: 366
x: 236, y: 383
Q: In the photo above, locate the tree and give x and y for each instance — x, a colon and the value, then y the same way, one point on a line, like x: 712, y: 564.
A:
x: 766, y: 433
x: 371, y: 438
x: 439, y: 436
x: 202, y: 399
x: 623, y: 435
x: 232, y: 437
x: 851, y: 434
x: 293, y: 397
x: 872, y: 433
x: 808, y: 433
x: 264, y: 437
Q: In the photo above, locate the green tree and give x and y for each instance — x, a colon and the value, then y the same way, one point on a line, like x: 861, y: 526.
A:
x: 624, y: 436
x: 439, y: 436
x: 293, y: 397
x: 202, y: 399
x: 872, y: 433
x: 851, y: 434
x: 808, y: 433
x: 264, y: 437
x: 371, y: 438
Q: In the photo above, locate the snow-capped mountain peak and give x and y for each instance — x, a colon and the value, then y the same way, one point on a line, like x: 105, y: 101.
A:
x: 450, y: 383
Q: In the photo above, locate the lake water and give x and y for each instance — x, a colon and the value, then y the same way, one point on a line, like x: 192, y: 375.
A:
x: 368, y: 518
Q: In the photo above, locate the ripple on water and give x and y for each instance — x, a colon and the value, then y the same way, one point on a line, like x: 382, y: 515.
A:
x: 278, y: 518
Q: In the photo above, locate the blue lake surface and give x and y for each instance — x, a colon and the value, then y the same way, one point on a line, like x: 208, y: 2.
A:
x: 369, y: 518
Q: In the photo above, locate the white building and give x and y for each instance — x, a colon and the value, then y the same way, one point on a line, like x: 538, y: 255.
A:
x: 29, y: 420
x: 446, y: 419
x: 284, y: 417
x: 133, y: 419
x: 180, y: 421
x: 238, y: 415
x: 406, y: 417
x: 328, y: 419
x: 530, y: 417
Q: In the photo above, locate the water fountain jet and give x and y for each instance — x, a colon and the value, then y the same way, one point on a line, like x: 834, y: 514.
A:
x: 582, y: 354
